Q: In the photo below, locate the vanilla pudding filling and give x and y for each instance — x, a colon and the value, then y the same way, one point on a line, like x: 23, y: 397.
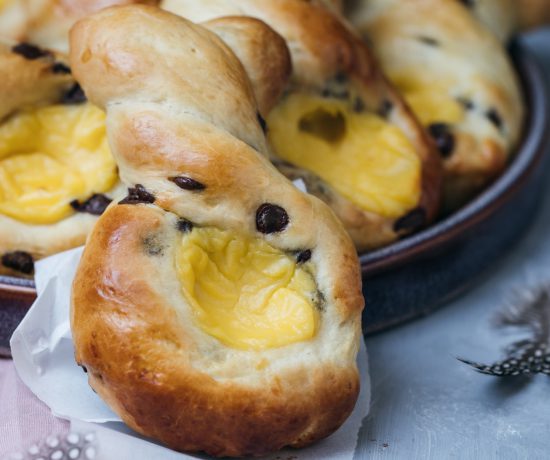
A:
x: 362, y: 156
x: 244, y: 292
x: 430, y: 101
x: 50, y: 156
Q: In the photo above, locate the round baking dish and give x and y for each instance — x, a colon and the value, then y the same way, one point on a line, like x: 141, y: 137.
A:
x: 432, y: 266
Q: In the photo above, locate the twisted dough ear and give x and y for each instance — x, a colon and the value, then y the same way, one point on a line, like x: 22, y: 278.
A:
x: 182, y: 123
x: 457, y: 77
x: 263, y: 53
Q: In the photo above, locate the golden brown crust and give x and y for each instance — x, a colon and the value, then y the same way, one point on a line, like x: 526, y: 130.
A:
x: 335, y: 6
x: 533, y: 13
x: 327, y: 54
x: 262, y: 51
x: 194, y: 114
x: 139, y: 357
x: 440, y: 43
x: 499, y: 16
x: 503, y: 18
x: 29, y: 82
x: 47, y: 22
x: 507, y: 17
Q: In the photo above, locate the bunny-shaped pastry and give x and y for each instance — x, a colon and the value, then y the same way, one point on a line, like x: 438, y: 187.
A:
x: 217, y: 307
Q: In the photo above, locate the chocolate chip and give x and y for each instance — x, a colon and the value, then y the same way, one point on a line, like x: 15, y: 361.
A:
x: 468, y: 3
x: 61, y: 68
x: 30, y: 52
x: 358, y: 105
x: 184, y: 225
x: 95, y: 205
x: 153, y: 246
x: 385, y: 108
x: 19, y: 261
x: 341, y: 77
x: 444, y: 139
x: 466, y: 103
x: 186, y: 183
x: 138, y: 194
x: 428, y: 40
x: 494, y: 118
x: 320, y: 301
x: 411, y: 221
x: 337, y: 94
x: 303, y: 256
x: 74, y: 95
x: 343, y: 94
x: 262, y: 122
x: 271, y: 218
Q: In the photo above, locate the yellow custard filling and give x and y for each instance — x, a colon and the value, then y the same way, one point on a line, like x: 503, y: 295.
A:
x: 431, y: 102
x: 244, y: 292
x: 50, y: 156
x: 366, y: 159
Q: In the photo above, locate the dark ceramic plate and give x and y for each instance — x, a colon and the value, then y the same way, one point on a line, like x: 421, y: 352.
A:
x: 415, y: 275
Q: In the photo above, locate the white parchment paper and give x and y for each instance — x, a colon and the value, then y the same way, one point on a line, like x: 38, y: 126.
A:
x: 43, y: 355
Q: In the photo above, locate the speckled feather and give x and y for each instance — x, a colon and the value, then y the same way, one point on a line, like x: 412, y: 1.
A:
x: 528, y: 310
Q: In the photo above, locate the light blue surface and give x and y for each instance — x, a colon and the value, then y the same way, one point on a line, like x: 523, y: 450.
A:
x: 426, y: 404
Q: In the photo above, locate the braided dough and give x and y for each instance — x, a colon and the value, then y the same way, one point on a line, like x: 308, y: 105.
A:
x: 262, y: 52
x: 330, y: 62
x: 33, y: 78
x: 185, y: 128
x: 436, y: 51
